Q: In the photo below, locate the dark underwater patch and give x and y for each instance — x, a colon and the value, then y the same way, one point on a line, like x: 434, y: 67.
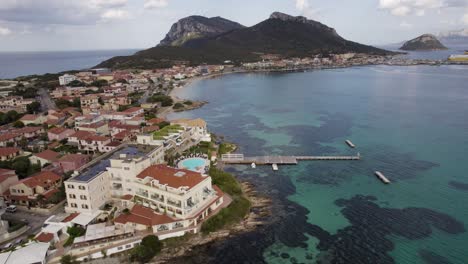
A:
x: 430, y: 257
x: 459, y: 185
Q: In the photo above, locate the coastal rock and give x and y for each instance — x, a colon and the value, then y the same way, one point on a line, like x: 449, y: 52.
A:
x: 423, y: 42
x: 193, y: 27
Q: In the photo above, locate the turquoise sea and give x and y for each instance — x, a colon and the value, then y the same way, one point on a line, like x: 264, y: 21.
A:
x: 411, y: 123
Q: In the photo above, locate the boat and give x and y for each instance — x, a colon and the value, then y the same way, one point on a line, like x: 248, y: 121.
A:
x: 253, y: 165
x: 275, y: 167
x: 350, y: 143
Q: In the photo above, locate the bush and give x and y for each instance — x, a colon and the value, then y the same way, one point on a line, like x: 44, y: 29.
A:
x: 165, y: 100
x: 178, y: 106
x: 188, y: 103
x: 150, y: 246
x: 68, y: 259
x: 235, y: 212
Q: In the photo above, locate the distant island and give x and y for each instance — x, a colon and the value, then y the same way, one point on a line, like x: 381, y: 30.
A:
x: 423, y: 42
x: 197, y: 40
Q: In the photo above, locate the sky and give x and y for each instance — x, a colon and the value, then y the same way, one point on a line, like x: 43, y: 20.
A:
x: 50, y: 25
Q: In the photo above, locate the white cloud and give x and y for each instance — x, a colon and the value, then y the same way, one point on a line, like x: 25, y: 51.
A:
x: 304, y: 7
x: 4, y: 31
x: 70, y: 12
x: 154, y: 4
x: 418, y: 7
x: 112, y: 14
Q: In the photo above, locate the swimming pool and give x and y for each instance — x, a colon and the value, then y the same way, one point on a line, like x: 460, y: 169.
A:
x: 193, y: 164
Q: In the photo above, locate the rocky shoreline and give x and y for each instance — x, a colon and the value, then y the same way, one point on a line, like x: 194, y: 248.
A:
x: 259, y: 214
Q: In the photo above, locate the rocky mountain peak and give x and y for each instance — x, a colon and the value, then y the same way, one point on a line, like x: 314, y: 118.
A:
x: 423, y: 42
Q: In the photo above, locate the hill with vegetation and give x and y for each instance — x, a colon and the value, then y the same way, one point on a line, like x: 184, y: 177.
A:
x: 281, y: 34
x: 423, y: 42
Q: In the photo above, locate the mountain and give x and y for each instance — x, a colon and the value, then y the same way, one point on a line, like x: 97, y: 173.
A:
x: 280, y: 34
x: 193, y: 27
x: 423, y: 42
x: 455, y: 38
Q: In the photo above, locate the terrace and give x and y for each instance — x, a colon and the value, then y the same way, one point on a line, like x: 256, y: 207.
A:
x: 167, y: 131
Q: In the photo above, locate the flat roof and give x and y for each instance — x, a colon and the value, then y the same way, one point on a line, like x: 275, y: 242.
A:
x: 101, y: 164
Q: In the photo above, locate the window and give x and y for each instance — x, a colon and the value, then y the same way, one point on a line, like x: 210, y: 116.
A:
x: 83, y: 197
x: 71, y: 186
x: 72, y: 196
x: 84, y: 206
x: 81, y: 187
x: 74, y: 205
x: 128, y: 246
x: 126, y: 168
x: 13, y: 190
x: 119, y: 248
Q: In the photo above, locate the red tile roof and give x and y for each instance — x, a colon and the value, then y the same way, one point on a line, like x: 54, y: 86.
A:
x: 127, y: 197
x: 48, y: 154
x: 29, y: 117
x: 8, y: 151
x: 70, y: 217
x: 155, y: 121
x: 45, y: 237
x: 57, y: 130
x: 132, y: 109
x: 5, y: 174
x: 44, y: 179
x: 175, y: 178
x: 144, y: 216
x: 31, y: 129
x: 8, y: 136
x: 73, y: 157
x: 113, y: 144
x: 81, y: 135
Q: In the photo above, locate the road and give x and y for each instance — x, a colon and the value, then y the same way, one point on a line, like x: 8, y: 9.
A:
x: 35, y: 221
x: 46, y: 102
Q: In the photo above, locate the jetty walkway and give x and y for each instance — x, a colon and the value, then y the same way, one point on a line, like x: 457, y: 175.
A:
x: 279, y: 160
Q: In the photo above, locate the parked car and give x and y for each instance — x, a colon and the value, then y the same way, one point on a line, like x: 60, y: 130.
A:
x: 11, y: 209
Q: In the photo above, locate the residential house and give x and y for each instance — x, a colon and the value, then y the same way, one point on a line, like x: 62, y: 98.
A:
x: 59, y: 133
x: 45, y: 157
x: 30, y: 132
x: 33, y: 119
x: 94, y: 143
x: 8, y: 153
x: 16, y: 103
x: 101, y: 128
x: 27, y: 191
x: 9, y: 138
x: 7, y: 178
x: 75, y: 138
x: 72, y: 162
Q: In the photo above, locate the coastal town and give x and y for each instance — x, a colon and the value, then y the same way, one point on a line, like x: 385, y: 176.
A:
x: 90, y: 166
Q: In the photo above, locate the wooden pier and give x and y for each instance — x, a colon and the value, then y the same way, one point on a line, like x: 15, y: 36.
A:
x: 382, y: 177
x: 279, y: 160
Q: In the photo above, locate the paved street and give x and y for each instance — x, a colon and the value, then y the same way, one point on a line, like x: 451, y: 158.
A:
x: 35, y: 221
x: 46, y: 101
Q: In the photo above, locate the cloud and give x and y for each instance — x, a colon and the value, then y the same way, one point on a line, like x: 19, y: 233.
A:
x: 4, y: 31
x: 418, y: 7
x: 112, y: 14
x: 82, y: 12
x: 154, y: 4
x: 304, y: 7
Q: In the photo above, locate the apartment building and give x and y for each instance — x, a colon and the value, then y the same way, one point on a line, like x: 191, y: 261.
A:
x: 108, y: 176
x: 66, y: 79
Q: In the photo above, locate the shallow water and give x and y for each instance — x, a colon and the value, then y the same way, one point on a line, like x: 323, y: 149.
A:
x: 408, y: 122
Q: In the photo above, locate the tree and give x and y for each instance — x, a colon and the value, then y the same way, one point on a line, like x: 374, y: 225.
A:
x: 150, y: 246
x: 33, y: 107
x: 18, y: 124
x: 76, y: 83
x: 153, y: 243
x: 68, y: 259
x: 21, y: 166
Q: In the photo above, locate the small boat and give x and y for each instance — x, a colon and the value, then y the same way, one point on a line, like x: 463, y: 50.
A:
x: 275, y: 167
x: 253, y: 165
x: 350, y: 143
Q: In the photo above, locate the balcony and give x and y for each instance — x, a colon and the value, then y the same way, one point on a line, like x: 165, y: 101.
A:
x: 157, y: 198
x: 143, y: 194
x: 172, y: 203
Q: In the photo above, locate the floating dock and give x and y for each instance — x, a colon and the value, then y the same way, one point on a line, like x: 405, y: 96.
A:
x: 382, y: 177
x: 350, y: 143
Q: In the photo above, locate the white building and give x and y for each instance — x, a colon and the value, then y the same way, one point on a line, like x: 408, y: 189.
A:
x: 66, y: 79
x: 108, y: 176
